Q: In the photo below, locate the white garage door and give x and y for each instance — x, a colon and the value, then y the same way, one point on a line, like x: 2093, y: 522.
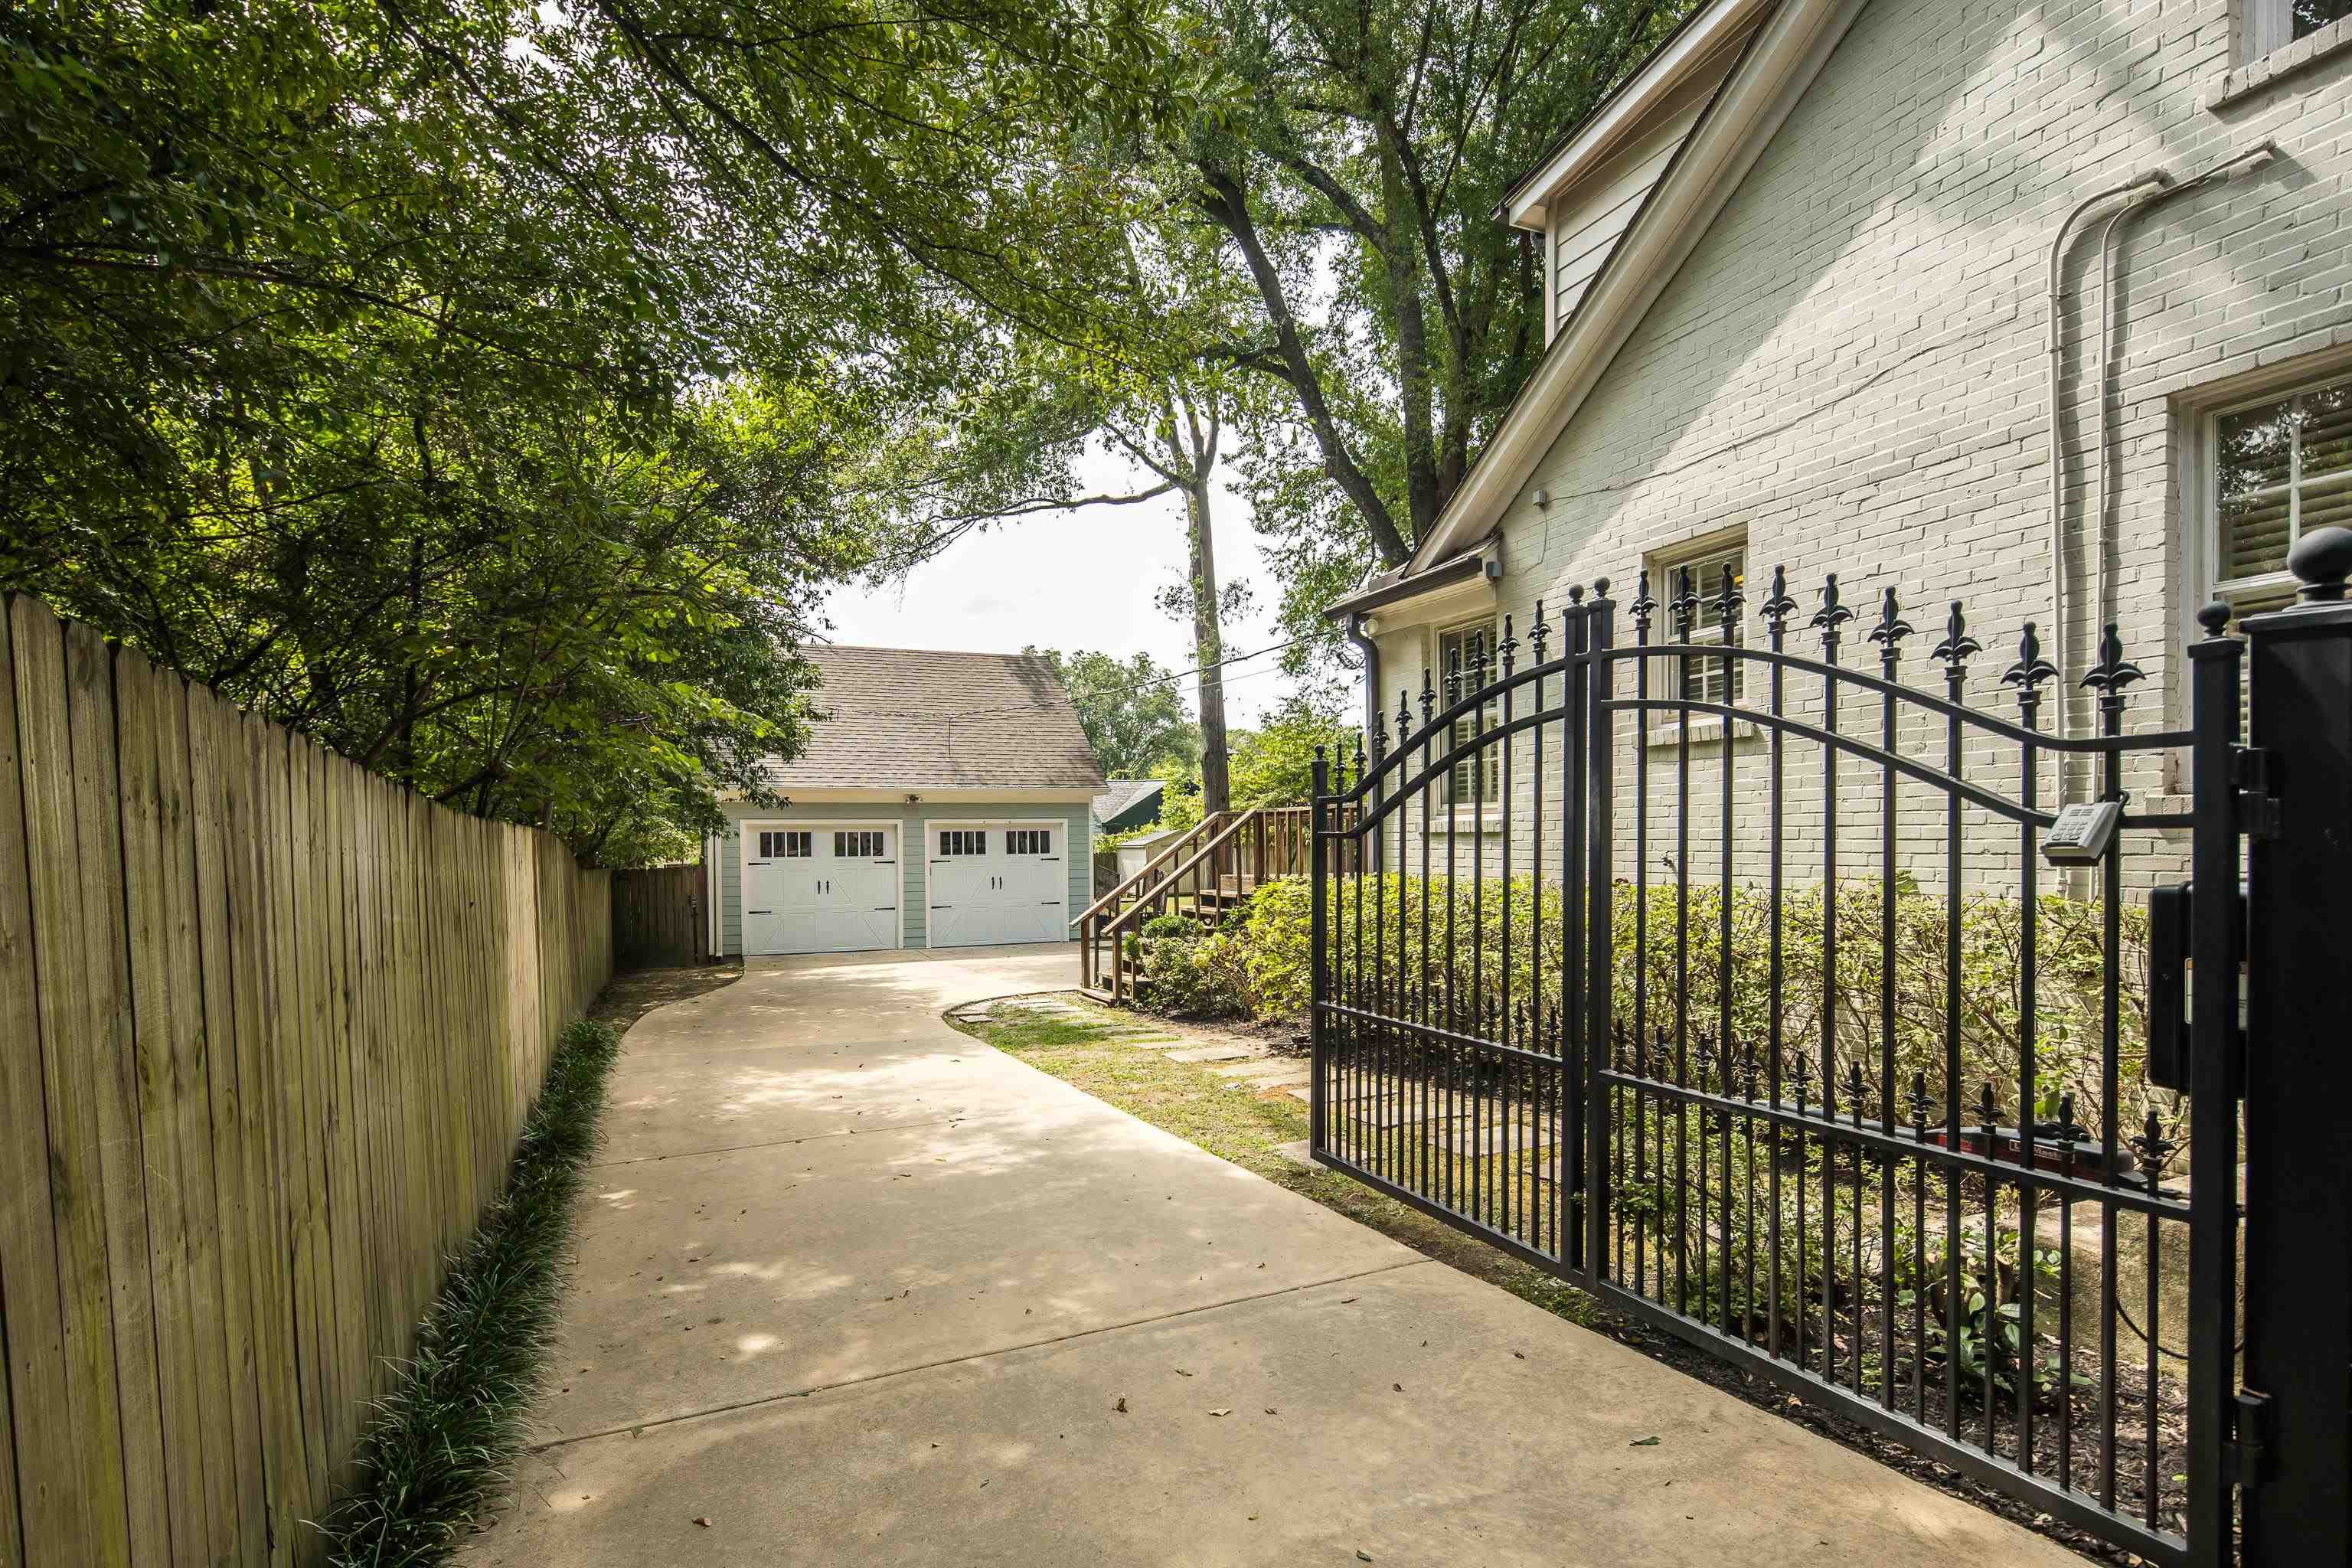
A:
x: 820, y: 887
x: 997, y: 881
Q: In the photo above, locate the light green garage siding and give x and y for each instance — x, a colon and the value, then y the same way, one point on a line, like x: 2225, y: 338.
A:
x: 1073, y: 816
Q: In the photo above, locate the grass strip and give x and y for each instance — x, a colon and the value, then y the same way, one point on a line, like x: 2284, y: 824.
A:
x: 1094, y: 1047
x: 438, y: 1451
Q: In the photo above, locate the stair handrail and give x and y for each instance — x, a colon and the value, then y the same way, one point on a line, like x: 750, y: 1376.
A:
x: 1206, y: 824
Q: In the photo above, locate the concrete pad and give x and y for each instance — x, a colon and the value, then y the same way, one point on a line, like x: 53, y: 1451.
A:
x: 1414, y: 1415
x: 854, y: 1287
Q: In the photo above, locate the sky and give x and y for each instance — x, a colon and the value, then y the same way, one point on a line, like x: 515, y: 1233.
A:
x: 1078, y: 580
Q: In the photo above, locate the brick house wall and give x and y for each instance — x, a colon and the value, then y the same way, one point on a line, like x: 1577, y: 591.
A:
x: 1851, y: 368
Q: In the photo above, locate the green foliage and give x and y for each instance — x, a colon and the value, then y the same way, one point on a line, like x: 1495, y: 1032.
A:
x: 1356, y: 174
x: 1132, y: 710
x: 2069, y: 967
x: 1272, y: 764
x: 489, y: 391
x: 436, y: 1456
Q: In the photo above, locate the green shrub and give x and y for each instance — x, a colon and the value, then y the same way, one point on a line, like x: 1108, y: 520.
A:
x: 1465, y: 979
x: 1179, y: 926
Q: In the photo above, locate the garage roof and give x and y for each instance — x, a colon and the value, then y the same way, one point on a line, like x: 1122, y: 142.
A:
x: 917, y: 718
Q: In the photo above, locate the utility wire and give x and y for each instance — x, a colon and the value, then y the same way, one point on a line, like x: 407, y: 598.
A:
x: 1157, y: 680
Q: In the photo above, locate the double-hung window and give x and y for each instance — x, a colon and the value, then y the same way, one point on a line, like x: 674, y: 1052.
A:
x: 2271, y: 25
x: 2277, y: 470
x: 1705, y: 678
x: 1463, y: 648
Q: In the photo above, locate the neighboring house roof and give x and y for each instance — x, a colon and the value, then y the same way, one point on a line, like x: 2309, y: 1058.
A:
x: 1779, y: 61
x: 1128, y: 803
x: 917, y: 718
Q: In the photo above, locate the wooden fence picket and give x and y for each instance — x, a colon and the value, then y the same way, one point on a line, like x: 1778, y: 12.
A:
x: 269, y: 1026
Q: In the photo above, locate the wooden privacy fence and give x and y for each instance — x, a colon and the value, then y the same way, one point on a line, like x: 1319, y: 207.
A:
x: 268, y: 1025
x: 658, y: 917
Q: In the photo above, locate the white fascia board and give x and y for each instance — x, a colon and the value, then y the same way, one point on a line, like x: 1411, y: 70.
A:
x: 800, y: 797
x: 1699, y: 42
x: 1787, y: 54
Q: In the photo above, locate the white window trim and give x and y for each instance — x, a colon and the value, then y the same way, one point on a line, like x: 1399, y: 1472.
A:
x: 1466, y: 810
x: 2260, y: 52
x: 2202, y: 552
x: 1662, y: 565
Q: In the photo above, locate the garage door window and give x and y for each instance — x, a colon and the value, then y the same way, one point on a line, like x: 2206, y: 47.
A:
x: 1030, y: 841
x: 785, y: 846
x: 858, y: 846
x: 962, y: 841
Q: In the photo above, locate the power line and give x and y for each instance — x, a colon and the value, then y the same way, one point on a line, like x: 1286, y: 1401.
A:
x: 1157, y: 680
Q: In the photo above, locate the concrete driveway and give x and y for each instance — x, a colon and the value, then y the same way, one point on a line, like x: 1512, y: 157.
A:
x: 855, y: 1288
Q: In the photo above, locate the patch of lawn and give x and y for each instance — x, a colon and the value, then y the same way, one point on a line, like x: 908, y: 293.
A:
x: 1097, y: 1048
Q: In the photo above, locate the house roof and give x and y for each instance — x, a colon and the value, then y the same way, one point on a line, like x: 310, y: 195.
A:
x: 1776, y: 64
x: 1123, y: 795
x: 917, y: 718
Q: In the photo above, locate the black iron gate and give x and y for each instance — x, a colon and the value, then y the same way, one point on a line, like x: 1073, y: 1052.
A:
x: 1767, y: 995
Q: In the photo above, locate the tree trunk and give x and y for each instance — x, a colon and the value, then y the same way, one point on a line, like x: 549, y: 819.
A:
x: 1208, y: 648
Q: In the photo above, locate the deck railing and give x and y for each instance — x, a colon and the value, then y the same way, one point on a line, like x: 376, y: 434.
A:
x: 1212, y: 868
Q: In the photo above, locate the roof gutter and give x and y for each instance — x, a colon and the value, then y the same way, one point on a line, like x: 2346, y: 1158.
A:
x: 1480, y: 561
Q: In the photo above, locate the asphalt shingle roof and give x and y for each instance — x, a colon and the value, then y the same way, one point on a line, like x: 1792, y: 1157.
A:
x: 917, y: 718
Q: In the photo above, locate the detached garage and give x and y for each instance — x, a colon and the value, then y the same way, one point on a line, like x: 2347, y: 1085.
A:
x: 945, y: 801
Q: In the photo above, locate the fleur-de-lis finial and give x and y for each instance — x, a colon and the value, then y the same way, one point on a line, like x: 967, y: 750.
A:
x: 2030, y: 670
x: 1685, y: 605
x: 1405, y: 713
x: 1643, y: 606
x: 1728, y: 599
x: 1779, y: 607
x: 1854, y: 1090
x: 1509, y: 647
x: 1428, y: 696
x: 1804, y: 1079
x: 2113, y: 672
x: 2154, y: 1147
x: 1479, y: 654
x: 1890, y: 629
x: 1538, y: 632
x: 1988, y: 1108
x: 1919, y: 1099
x: 1957, y: 645
x: 1453, y: 677
x: 1832, y: 614
x: 1380, y: 735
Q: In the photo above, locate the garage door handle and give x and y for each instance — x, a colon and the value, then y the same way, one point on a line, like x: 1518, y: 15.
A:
x: 763, y: 912
x: 942, y: 906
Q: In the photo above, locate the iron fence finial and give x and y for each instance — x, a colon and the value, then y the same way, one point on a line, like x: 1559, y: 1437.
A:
x: 1779, y: 607
x: 1643, y: 606
x: 2031, y: 671
x: 1831, y: 616
x: 1539, y: 631
x: 1890, y: 629
x: 1509, y: 648
x: 2113, y: 672
x: 1957, y: 645
x: 1686, y: 604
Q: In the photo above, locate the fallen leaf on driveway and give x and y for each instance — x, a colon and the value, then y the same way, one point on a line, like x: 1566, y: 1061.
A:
x: 704, y: 1522
x: 1227, y: 1411
x: 1121, y: 1405
x: 1182, y: 1373
x: 1642, y: 1443
x: 1398, y: 1386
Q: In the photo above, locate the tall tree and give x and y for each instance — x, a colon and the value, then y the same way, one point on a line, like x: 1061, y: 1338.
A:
x: 1357, y: 179
x: 473, y: 386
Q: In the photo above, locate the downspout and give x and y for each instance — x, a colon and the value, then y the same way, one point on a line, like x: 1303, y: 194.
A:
x: 1371, y: 652
x: 2057, y: 540
x: 711, y: 850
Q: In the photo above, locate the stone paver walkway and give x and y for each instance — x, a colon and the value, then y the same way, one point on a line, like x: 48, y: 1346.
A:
x: 855, y: 1289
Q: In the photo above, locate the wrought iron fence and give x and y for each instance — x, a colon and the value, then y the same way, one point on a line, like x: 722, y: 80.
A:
x: 1729, y: 982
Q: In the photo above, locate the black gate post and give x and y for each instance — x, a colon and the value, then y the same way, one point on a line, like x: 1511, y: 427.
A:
x: 2294, y: 1425
x: 1318, y: 930
x: 1598, y: 914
